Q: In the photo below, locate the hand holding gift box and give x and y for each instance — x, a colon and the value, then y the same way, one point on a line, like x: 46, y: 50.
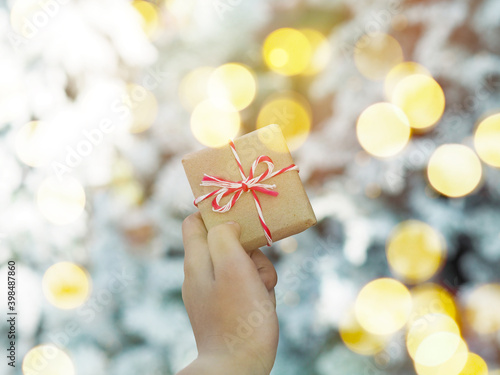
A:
x: 253, y: 182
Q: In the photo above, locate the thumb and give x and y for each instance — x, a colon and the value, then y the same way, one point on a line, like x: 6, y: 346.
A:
x: 228, y: 256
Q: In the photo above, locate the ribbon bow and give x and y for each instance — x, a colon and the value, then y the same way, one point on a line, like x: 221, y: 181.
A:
x: 248, y: 183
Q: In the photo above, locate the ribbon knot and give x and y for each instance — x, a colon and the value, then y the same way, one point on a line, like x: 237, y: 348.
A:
x: 250, y: 183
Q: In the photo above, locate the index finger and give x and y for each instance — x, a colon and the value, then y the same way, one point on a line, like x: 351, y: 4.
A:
x: 197, y: 261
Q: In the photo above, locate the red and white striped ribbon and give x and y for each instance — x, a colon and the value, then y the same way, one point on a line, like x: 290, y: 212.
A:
x: 250, y: 183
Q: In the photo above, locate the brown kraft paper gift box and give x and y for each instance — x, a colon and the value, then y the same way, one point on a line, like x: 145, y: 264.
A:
x: 287, y: 214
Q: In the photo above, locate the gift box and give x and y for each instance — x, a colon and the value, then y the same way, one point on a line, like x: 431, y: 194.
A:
x: 253, y: 182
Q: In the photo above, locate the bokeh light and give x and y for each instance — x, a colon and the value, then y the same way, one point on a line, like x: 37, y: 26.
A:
x: 475, y: 365
x: 34, y: 143
x: 383, y: 306
x: 421, y: 98
x: 426, y: 326
x: 357, y: 339
x: 143, y: 107
x: 47, y: 359
x: 454, y: 170
x: 399, y: 72
x: 487, y: 140
x: 292, y: 113
x: 436, y: 346
x: 193, y: 88
x: 232, y: 87
x: 212, y: 126
x: 431, y: 298
x: 287, y: 51
x: 66, y: 285
x: 321, y: 51
x: 376, y: 54
x: 415, y: 251
x: 149, y: 15
x: 61, y: 201
x: 482, y: 308
x: 444, y: 352
x: 383, y: 130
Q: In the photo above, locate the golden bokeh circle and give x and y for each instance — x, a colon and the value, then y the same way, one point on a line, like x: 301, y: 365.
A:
x: 482, y: 307
x: 376, y: 54
x: 383, y: 306
x: 34, y: 143
x: 421, y: 99
x: 383, y: 130
x: 193, y: 88
x: 321, y: 51
x: 357, y: 339
x: 149, y: 15
x: 287, y: 51
x: 454, y: 170
x: 232, y: 86
x: 431, y: 298
x: 475, y: 365
x: 143, y: 107
x: 66, y: 285
x: 292, y: 113
x: 399, y: 72
x: 415, y: 251
x: 47, y: 359
x: 212, y: 126
x: 426, y: 326
x: 487, y: 140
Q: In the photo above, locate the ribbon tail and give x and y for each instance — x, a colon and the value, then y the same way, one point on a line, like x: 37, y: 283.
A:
x: 267, y: 232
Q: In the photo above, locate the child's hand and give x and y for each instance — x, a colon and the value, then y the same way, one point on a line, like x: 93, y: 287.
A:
x: 229, y: 297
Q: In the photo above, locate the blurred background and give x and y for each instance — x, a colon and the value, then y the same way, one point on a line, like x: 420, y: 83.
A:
x: 390, y: 108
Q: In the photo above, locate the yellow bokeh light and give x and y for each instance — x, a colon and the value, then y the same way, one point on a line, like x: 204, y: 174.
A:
x: 427, y: 326
x: 415, y: 251
x: 482, y: 309
x: 383, y: 306
x: 143, y: 108
x: 487, y: 140
x: 291, y: 112
x: 212, y: 126
x: 376, y: 54
x: 454, y: 170
x: 287, y: 51
x: 399, y: 72
x: 149, y: 15
x: 444, y: 352
x: 421, y: 99
x: 321, y: 51
x: 34, y: 143
x: 66, y: 285
x: 193, y: 88
x: 232, y: 87
x: 383, y: 130
x: 357, y: 339
x: 431, y: 298
x: 47, y: 359
x: 475, y: 365
x: 61, y: 202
